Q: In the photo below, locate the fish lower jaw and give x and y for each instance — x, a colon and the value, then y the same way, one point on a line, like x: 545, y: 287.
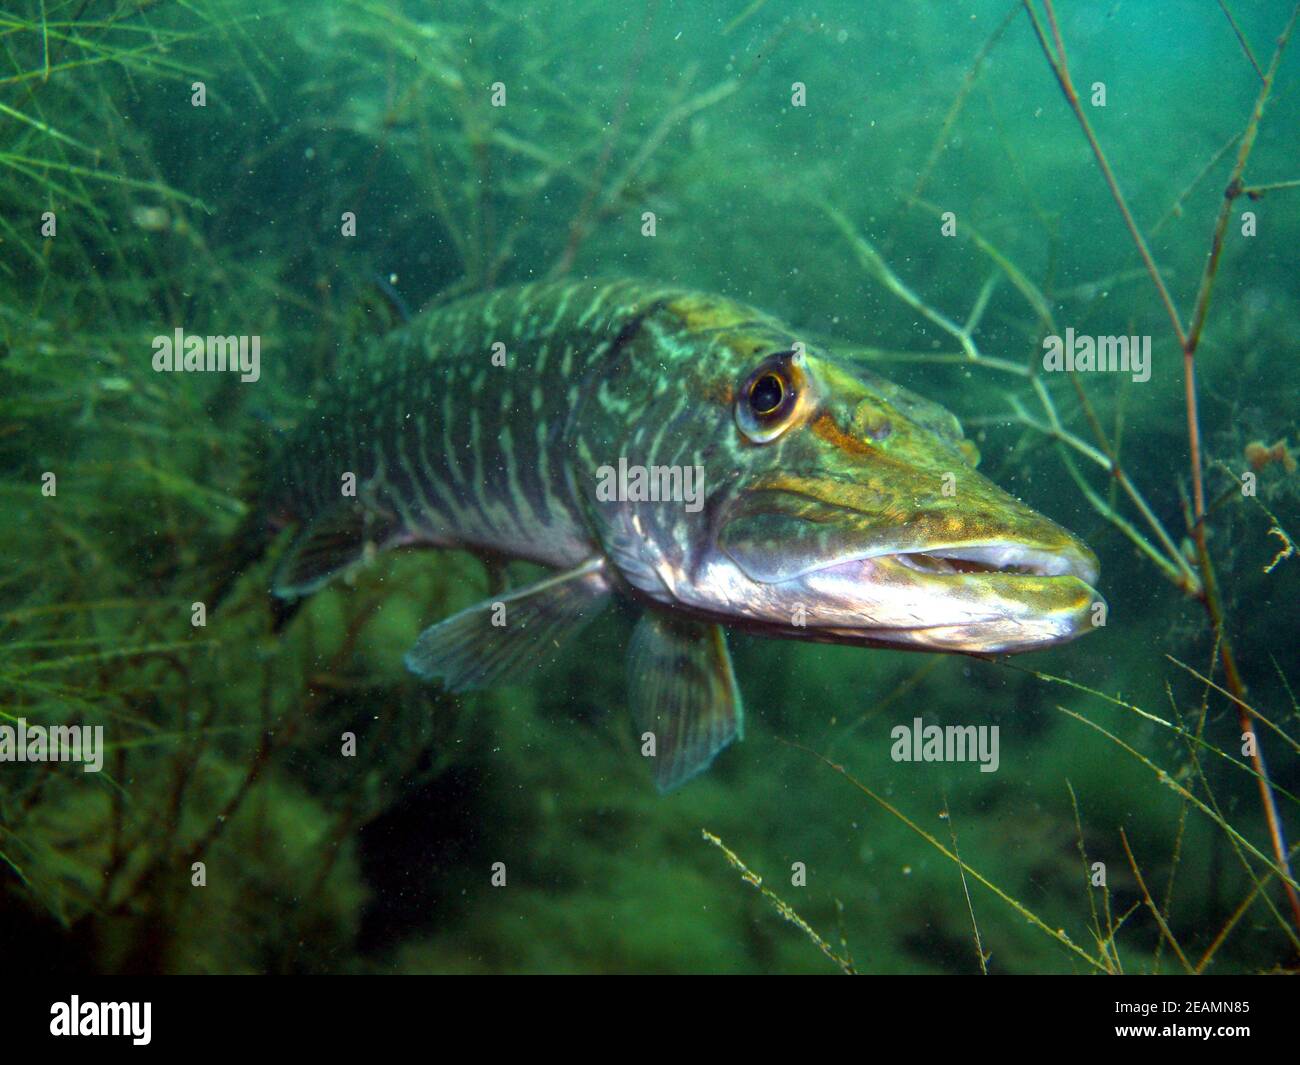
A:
x: 935, y: 602
x: 970, y: 639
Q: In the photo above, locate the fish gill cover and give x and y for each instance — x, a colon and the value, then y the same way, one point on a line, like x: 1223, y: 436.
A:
x: 794, y: 271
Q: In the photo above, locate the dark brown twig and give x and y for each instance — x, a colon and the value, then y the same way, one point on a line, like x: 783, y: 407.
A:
x: 1188, y: 340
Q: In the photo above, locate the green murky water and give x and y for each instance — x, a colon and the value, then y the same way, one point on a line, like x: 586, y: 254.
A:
x: 911, y: 180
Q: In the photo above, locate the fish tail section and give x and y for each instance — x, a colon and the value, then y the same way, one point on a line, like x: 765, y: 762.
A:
x: 253, y: 535
x: 245, y: 547
x: 331, y: 543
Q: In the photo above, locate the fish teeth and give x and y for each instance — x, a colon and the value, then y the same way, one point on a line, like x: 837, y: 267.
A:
x: 931, y: 564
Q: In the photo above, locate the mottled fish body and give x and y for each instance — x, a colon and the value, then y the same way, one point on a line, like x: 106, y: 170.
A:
x: 458, y: 427
x: 683, y: 451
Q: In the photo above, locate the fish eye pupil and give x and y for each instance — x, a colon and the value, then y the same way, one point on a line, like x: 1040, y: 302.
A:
x: 766, y: 394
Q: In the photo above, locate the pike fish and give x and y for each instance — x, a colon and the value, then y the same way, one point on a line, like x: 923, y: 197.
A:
x: 680, y: 450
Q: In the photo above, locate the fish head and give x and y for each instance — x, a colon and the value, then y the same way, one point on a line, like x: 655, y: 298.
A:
x: 839, y: 506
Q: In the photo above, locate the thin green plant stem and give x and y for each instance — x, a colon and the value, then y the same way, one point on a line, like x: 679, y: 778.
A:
x: 1165, y: 778
x: 1188, y: 340
x: 1292, y: 743
x: 779, y: 904
x: 1106, y: 944
x: 1241, y: 38
x: 1015, y: 904
x: 965, y: 887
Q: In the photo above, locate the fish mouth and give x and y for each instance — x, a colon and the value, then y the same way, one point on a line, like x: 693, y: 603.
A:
x: 990, y: 576
x: 989, y: 598
x: 1001, y: 558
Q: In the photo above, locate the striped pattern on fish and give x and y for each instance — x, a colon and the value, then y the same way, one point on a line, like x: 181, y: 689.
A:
x: 464, y: 452
x: 825, y: 510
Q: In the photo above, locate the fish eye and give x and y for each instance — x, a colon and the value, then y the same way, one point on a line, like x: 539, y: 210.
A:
x: 767, y: 399
x: 766, y: 394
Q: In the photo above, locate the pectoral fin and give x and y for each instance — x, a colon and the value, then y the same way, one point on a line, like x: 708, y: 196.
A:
x: 499, y: 641
x: 683, y: 690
